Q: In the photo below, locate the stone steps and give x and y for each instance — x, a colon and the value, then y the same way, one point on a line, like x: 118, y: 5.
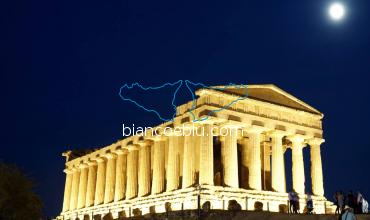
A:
x: 241, y: 215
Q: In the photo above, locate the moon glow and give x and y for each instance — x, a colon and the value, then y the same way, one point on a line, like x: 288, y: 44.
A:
x: 337, y: 11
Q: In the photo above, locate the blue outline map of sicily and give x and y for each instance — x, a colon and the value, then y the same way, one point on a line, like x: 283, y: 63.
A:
x: 178, y: 84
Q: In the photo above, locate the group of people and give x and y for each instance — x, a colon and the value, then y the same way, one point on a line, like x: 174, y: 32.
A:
x: 293, y: 202
x: 354, y: 201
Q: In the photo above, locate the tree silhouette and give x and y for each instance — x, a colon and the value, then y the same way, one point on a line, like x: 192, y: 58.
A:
x: 17, y: 200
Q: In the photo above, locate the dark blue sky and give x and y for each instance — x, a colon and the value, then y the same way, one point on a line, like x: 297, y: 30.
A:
x: 62, y: 64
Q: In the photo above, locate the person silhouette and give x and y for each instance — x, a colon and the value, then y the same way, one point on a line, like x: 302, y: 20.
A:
x: 291, y: 201
x: 309, y: 203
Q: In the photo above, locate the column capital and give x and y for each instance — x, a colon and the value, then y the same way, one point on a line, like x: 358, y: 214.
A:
x: 91, y: 163
x: 143, y: 143
x: 297, y: 138
x: 277, y: 133
x: 255, y: 129
x: 132, y: 147
x: 175, y: 131
x: 100, y: 159
x: 233, y: 124
x: 121, y: 151
x: 83, y: 165
x: 75, y: 168
x: 110, y: 155
x: 190, y: 126
x: 315, y: 141
x: 68, y: 170
x: 157, y: 138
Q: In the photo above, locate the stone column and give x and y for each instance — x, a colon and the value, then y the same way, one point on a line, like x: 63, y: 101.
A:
x: 158, y: 166
x: 316, y: 167
x: 132, y: 172
x: 144, y: 168
x: 278, y: 165
x: 266, y: 165
x: 67, y: 189
x: 110, y: 179
x: 206, y: 156
x: 245, y: 163
x: 121, y: 172
x: 254, y: 157
x: 82, y: 186
x: 74, y: 190
x: 298, y: 163
x: 229, y: 151
x: 91, y: 183
x: 173, y: 164
x: 189, y: 169
x: 100, y: 181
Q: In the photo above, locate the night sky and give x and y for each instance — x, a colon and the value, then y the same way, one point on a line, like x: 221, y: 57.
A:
x: 63, y: 62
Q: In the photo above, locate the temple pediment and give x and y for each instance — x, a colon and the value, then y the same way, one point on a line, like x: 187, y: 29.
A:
x: 272, y: 94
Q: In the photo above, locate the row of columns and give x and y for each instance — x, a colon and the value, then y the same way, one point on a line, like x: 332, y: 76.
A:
x: 126, y: 173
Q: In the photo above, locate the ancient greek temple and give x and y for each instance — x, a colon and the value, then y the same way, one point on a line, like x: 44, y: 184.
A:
x: 243, y: 159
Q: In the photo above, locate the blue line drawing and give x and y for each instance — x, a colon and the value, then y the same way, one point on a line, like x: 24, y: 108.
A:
x: 179, y: 84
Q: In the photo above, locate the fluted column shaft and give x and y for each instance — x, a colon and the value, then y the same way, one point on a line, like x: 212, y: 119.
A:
x: 144, y: 168
x: 316, y: 167
x: 91, y: 183
x: 121, y: 172
x: 298, y: 164
x: 74, y: 191
x: 245, y: 163
x: 100, y: 181
x: 173, y: 164
x: 82, y: 186
x: 229, y: 152
x: 158, y: 166
x: 189, y: 170
x: 254, y: 159
x: 132, y: 173
x: 206, y: 156
x: 277, y: 161
x: 67, y: 190
x: 110, y: 178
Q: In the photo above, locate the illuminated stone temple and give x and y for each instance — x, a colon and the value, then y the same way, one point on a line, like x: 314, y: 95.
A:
x: 243, y: 159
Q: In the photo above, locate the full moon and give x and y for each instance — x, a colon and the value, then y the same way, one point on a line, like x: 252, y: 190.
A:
x: 337, y: 11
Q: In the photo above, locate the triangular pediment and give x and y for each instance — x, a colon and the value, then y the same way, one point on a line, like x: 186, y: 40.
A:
x: 272, y: 94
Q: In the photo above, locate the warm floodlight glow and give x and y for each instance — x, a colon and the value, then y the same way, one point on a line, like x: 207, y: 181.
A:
x: 100, y: 170
x: 337, y: 11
